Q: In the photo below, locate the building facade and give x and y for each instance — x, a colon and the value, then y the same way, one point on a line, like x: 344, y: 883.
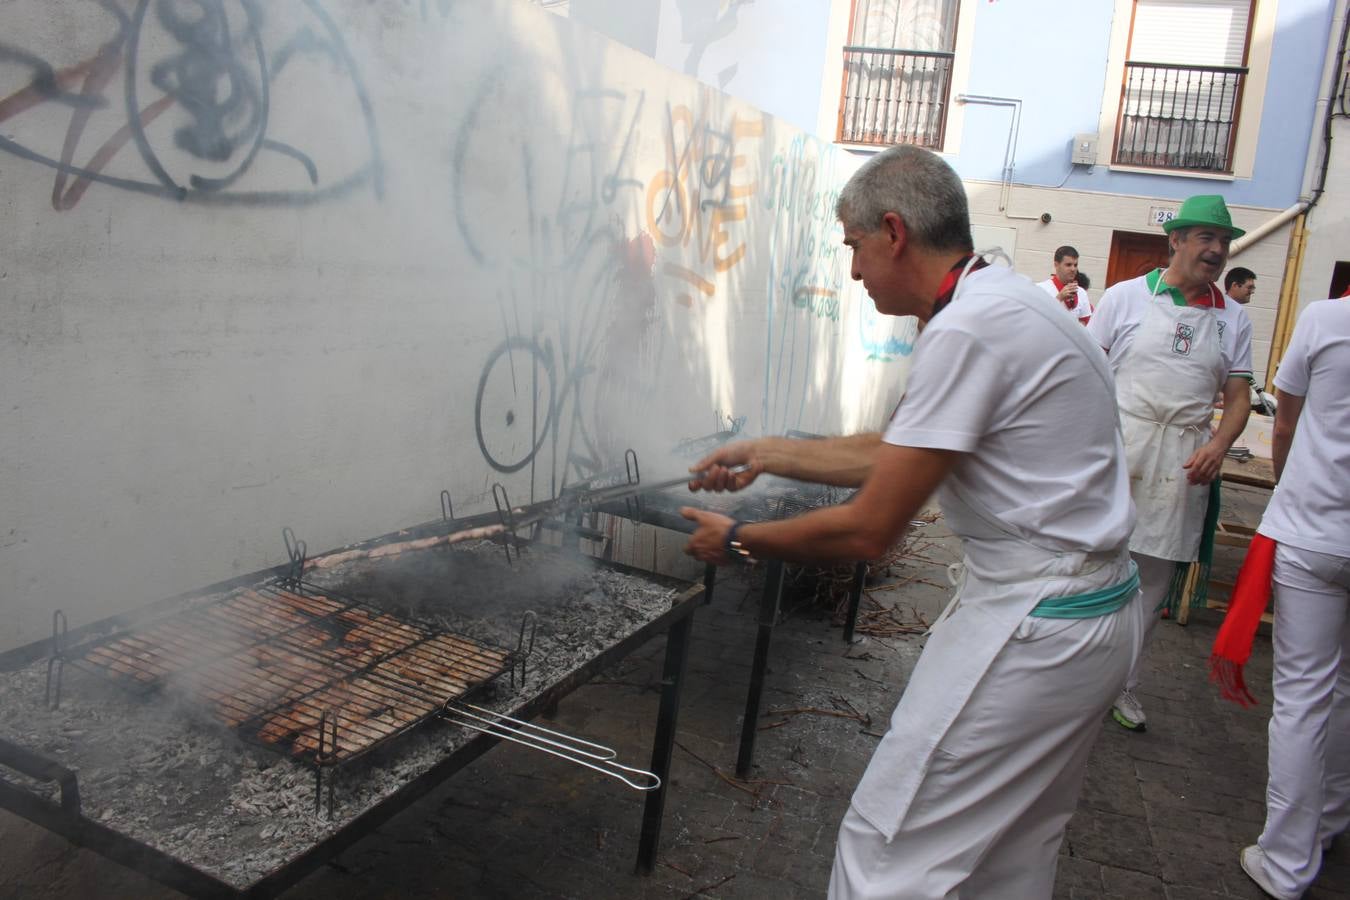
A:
x: 1083, y: 124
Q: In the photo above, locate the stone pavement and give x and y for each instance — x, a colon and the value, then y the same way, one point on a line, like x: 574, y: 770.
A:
x: 1163, y: 814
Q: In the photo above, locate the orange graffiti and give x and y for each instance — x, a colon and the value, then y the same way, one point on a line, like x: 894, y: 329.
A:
x: 702, y: 192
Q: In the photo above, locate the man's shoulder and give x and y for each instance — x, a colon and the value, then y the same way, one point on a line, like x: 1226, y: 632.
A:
x: 1130, y: 287
x: 1335, y: 308
x: 1329, y: 316
x: 1047, y: 285
x: 1122, y: 301
x: 992, y: 289
x: 1236, y: 313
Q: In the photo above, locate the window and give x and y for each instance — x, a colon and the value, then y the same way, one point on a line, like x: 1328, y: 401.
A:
x: 1183, y: 83
x: 898, y: 72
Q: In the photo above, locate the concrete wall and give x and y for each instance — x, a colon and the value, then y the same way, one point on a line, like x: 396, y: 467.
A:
x: 1329, y: 221
x: 307, y: 264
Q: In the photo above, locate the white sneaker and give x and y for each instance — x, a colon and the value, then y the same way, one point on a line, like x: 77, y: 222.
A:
x: 1253, y: 861
x: 1128, y: 711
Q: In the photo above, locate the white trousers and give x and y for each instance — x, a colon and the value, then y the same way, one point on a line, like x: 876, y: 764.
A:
x: 1155, y: 576
x: 1308, y: 794
x: 989, y: 816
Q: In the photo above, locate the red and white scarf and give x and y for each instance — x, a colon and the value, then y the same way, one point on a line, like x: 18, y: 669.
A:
x: 1233, y: 646
x: 1059, y: 286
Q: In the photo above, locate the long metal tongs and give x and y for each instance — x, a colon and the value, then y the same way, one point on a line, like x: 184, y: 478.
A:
x: 564, y: 746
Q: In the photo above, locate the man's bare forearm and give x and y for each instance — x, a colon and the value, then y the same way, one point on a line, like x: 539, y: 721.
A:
x: 840, y: 461
x: 1288, y: 408
x: 1237, y: 408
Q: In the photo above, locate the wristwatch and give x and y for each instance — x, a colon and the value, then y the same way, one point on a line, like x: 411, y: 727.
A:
x: 733, y: 547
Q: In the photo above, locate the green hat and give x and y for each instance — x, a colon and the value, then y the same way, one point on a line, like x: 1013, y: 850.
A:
x: 1204, y: 209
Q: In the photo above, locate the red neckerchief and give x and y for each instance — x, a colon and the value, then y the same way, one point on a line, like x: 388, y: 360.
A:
x: 1059, y: 286
x: 1155, y: 283
x: 947, y: 289
x: 1214, y: 300
x: 1233, y: 645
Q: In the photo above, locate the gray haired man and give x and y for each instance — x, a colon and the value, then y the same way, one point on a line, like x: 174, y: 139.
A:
x: 1007, y: 412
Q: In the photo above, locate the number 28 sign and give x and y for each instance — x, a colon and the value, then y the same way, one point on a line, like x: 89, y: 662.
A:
x: 1161, y: 215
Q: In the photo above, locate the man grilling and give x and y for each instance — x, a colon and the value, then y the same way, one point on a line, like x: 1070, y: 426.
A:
x: 1007, y: 413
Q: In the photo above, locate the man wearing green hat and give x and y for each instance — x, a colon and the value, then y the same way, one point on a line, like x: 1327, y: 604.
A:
x: 1174, y: 343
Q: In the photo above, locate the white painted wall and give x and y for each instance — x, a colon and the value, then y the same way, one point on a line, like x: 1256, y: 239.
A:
x: 448, y: 214
x: 1329, y: 221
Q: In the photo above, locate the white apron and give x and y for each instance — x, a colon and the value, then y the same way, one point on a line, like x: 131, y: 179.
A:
x: 1005, y: 576
x: 1165, y: 387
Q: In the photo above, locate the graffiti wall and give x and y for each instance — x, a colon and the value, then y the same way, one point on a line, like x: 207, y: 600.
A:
x: 310, y: 264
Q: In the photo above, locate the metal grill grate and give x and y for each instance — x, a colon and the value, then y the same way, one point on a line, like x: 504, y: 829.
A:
x: 299, y: 670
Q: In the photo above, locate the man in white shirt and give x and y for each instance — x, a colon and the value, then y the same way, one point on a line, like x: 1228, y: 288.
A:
x: 1064, y: 287
x: 1174, y: 344
x: 1239, y: 285
x: 1007, y: 413
x: 1308, y: 794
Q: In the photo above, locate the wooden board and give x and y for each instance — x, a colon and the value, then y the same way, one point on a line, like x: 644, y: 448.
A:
x: 1256, y: 472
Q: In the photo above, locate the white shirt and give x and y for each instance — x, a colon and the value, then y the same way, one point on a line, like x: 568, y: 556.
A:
x: 1122, y: 307
x: 1084, y: 308
x: 996, y: 381
x: 1311, y: 506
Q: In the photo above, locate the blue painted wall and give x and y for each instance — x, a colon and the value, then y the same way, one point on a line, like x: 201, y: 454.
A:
x: 1056, y: 66
x: 770, y: 53
x: 773, y: 55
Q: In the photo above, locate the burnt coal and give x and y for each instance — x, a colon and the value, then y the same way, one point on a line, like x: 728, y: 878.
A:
x: 162, y: 773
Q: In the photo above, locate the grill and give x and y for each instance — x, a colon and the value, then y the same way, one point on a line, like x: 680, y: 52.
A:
x: 300, y: 670
x: 328, y: 672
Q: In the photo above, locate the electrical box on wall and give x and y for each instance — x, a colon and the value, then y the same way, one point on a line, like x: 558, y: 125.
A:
x: 1084, y: 150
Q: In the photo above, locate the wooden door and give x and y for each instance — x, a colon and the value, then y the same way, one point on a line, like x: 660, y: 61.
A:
x: 1134, y: 254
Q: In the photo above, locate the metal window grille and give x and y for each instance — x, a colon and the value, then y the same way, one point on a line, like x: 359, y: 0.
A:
x: 1179, y: 117
x: 895, y: 96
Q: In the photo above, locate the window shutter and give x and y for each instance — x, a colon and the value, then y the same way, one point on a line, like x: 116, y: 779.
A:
x: 1191, y: 32
x: 905, y: 24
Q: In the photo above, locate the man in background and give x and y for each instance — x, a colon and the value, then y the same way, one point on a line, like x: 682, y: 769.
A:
x: 1174, y: 344
x: 1064, y: 286
x: 1239, y: 284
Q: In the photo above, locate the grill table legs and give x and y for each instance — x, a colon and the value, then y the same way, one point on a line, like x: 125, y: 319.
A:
x: 663, y: 744
x: 854, y: 599
x: 768, y: 615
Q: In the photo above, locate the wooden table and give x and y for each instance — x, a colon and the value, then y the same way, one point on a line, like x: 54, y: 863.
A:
x: 1255, y: 472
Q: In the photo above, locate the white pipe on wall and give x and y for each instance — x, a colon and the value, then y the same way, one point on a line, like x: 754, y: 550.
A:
x: 1331, y: 77
x: 1266, y: 228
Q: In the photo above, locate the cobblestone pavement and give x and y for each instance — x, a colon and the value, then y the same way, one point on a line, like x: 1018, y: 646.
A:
x: 1163, y: 814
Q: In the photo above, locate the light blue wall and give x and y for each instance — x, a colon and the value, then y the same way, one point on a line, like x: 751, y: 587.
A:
x: 770, y: 53
x: 1029, y: 51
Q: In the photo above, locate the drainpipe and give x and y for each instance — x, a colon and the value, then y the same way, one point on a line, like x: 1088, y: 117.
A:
x: 1265, y: 228
x: 1314, y: 183
x: 1009, y: 150
x: 1286, y: 310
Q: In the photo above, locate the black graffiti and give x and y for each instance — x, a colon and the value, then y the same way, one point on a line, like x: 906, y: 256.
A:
x: 219, y: 78
x: 562, y: 216
x: 516, y: 360
x: 210, y: 81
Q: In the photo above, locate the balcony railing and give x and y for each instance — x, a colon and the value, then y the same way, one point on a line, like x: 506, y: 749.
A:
x: 894, y: 96
x: 1179, y: 117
